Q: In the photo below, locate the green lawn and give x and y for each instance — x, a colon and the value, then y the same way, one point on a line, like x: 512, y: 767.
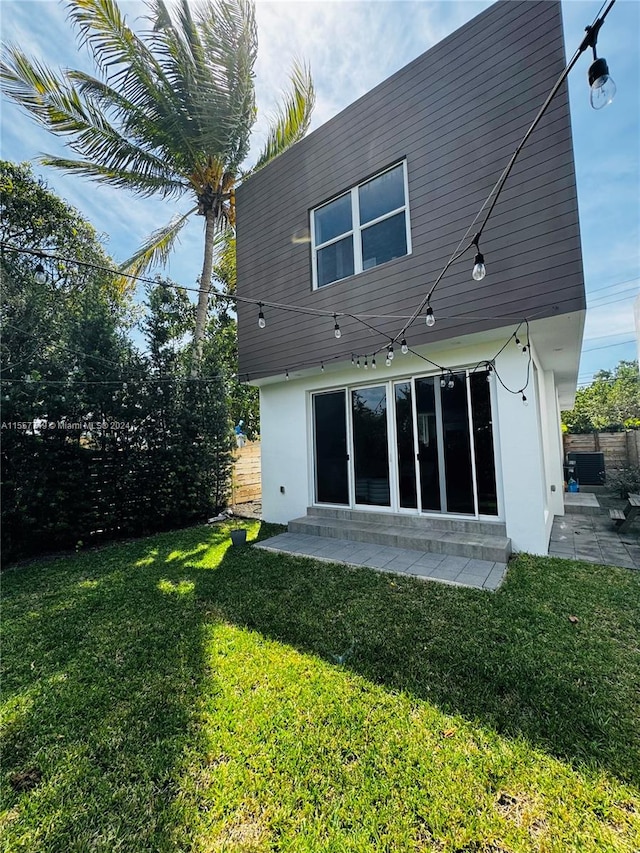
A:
x: 171, y: 694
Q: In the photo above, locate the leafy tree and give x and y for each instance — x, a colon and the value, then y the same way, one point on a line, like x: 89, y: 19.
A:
x: 170, y: 112
x: 63, y: 352
x: 243, y: 399
x: 98, y: 439
x: 611, y: 402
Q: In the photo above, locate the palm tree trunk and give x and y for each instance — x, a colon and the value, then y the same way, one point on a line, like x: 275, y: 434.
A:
x: 203, y: 297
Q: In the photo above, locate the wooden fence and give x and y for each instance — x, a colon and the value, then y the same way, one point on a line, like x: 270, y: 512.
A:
x: 246, y: 484
x: 620, y: 449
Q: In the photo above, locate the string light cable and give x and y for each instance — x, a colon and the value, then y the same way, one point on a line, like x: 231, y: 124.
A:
x: 589, y: 40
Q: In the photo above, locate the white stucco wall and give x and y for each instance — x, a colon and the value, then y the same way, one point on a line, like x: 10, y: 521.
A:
x: 527, y: 437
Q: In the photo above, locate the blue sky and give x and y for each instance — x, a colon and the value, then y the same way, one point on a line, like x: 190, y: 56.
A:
x: 351, y: 47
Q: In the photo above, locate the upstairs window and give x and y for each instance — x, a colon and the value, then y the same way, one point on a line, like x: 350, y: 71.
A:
x: 362, y: 228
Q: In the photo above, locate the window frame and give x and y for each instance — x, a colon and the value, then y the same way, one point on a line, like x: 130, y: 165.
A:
x: 356, y: 230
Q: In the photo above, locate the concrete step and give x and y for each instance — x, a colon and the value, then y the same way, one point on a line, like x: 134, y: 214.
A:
x: 460, y: 543
x: 581, y: 503
x: 420, y: 523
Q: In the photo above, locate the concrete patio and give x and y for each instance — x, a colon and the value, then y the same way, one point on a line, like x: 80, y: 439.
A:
x: 585, y: 532
x: 459, y: 571
x: 593, y: 538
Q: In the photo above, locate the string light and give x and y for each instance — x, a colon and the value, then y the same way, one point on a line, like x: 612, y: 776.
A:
x: 479, y: 269
x: 322, y: 366
x: 366, y: 363
x: 40, y: 274
x: 404, y: 347
x: 451, y: 383
x: 358, y: 362
x: 602, y: 88
x: 286, y: 375
x: 336, y: 328
x: 430, y: 318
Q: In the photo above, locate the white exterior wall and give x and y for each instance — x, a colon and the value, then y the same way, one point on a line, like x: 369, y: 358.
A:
x: 527, y: 439
x: 284, y: 446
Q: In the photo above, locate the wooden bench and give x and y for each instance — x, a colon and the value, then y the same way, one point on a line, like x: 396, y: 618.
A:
x: 624, y: 518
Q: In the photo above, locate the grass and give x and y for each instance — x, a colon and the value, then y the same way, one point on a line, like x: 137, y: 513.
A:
x: 171, y: 694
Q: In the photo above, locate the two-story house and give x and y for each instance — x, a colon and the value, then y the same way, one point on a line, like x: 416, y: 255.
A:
x: 342, y: 237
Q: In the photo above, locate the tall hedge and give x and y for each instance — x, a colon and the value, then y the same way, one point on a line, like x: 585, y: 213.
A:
x: 100, y: 438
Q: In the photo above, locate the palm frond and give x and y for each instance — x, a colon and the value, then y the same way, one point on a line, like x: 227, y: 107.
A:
x: 229, y: 38
x: 132, y: 67
x: 292, y: 119
x: 78, y: 112
x: 157, y: 247
x: 143, y: 184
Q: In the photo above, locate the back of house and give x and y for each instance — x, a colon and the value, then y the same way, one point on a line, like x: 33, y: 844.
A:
x: 341, y: 239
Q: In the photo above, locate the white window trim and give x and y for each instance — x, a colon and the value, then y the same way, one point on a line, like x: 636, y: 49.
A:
x: 356, y: 230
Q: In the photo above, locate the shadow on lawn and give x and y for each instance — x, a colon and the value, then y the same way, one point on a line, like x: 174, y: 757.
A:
x: 513, y: 660
x: 104, y: 658
x: 106, y: 662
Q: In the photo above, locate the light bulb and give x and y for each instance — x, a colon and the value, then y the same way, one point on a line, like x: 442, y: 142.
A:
x: 322, y: 366
x: 336, y: 328
x: 366, y: 363
x: 40, y: 275
x: 450, y: 383
x: 404, y: 347
x: 353, y: 361
x: 518, y: 344
x: 524, y: 401
x: 430, y: 320
x: 443, y: 382
x: 524, y: 349
x: 358, y: 362
x: 479, y: 269
x: 603, y: 89
x: 388, y: 361
x: 261, y: 321
x: 390, y: 352
x: 286, y: 376
x: 373, y: 363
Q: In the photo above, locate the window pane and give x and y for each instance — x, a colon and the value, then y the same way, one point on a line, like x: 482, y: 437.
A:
x: 457, y: 446
x: 332, y: 485
x: 483, y: 439
x: 333, y: 219
x: 384, y: 241
x: 381, y: 195
x: 428, y: 444
x: 406, y: 452
x: 370, y: 446
x: 335, y: 261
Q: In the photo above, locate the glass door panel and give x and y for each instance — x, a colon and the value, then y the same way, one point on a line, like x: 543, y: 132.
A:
x: 428, y: 444
x: 483, y: 443
x: 370, y: 446
x: 330, y: 427
x: 405, y: 445
x: 457, y: 446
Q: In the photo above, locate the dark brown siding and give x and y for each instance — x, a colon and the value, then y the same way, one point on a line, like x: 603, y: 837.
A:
x: 457, y: 135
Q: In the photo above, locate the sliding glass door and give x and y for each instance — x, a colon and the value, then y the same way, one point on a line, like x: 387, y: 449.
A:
x: 423, y: 444
x: 371, y: 446
x: 331, y: 454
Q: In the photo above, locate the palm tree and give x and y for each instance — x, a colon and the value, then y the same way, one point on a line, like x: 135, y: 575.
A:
x: 170, y: 113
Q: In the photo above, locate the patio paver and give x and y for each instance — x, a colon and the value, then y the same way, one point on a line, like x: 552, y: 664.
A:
x: 461, y: 571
